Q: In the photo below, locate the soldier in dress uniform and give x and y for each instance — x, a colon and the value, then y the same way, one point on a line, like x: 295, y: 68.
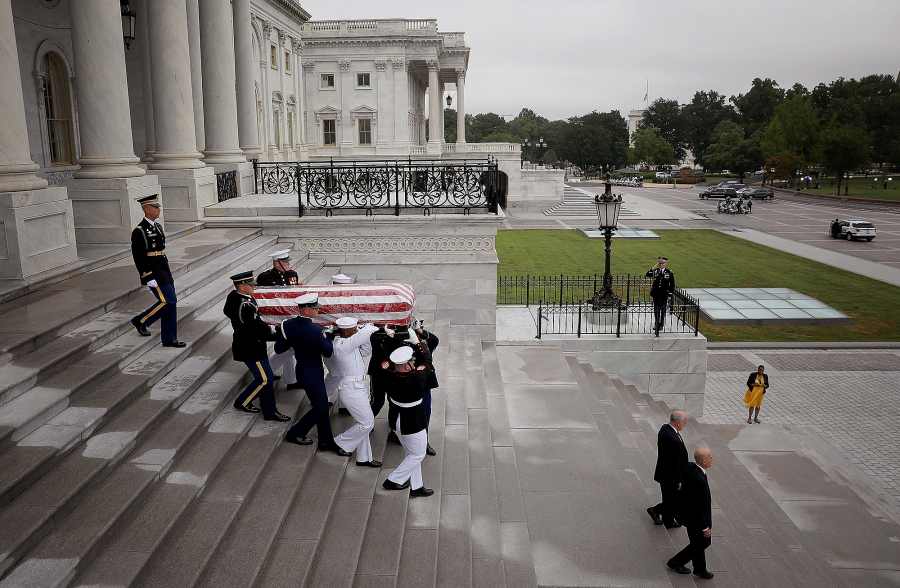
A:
x: 148, y: 247
x: 408, y: 386
x: 309, y: 344
x: 249, y: 346
x: 662, y: 288
x: 281, y: 273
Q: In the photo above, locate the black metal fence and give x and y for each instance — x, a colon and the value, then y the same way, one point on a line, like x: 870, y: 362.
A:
x: 564, y: 305
x: 226, y: 185
x: 387, y: 185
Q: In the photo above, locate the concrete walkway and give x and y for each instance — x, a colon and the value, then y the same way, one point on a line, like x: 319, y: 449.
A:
x: 870, y: 269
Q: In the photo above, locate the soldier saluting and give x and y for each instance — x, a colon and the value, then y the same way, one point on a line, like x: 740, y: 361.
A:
x: 148, y: 247
x: 281, y: 273
x: 662, y: 288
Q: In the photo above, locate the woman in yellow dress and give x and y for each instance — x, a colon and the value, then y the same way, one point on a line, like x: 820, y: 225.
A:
x: 757, y: 384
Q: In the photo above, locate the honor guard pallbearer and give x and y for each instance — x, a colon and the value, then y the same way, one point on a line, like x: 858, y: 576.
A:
x: 249, y: 346
x: 148, y: 247
x: 281, y: 273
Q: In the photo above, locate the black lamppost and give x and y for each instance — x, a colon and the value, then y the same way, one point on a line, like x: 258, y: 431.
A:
x: 608, y: 208
x: 525, y: 146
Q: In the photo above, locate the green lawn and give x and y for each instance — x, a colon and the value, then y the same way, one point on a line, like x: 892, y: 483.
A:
x: 863, y: 187
x: 706, y: 258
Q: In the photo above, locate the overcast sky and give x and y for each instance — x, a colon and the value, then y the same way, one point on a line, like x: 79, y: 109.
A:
x: 567, y: 57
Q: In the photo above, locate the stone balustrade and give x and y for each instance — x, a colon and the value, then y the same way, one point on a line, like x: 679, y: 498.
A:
x: 455, y: 39
x: 482, y: 148
x: 395, y: 26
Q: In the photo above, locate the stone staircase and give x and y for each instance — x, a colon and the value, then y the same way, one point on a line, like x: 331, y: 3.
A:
x: 580, y: 202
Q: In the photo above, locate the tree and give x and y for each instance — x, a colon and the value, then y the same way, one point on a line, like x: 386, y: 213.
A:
x: 705, y: 111
x: 450, y: 125
x: 731, y: 149
x: 484, y: 125
x: 756, y: 107
x: 650, y: 147
x: 594, y: 140
x: 528, y: 125
x: 666, y: 117
x: 844, y: 148
x: 794, y: 129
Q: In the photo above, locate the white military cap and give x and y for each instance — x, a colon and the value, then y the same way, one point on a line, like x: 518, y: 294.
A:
x: 341, y: 279
x: 402, y: 354
x: 308, y: 299
x: 346, y: 322
x: 283, y: 254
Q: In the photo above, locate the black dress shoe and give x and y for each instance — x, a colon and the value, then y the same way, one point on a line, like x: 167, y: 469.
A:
x: 393, y: 438
x: 419, y: 492
x: 277, y: 417
x: 369, y: 464
x: 334, y: 448
x: 657, y: 518
x: 678, y: 569
x: 430, y: 450
x: 248, y: 408
x: 298, y: 440
x: 343, y: 411
x: 389, y: 485
x: 141, y: 329
x: 673, y: 524
x: 706, y: 575
x: 294, y: 386
x: 178, y: 344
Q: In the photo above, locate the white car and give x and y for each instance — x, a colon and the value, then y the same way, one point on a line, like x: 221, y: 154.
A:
x: 854, y: 228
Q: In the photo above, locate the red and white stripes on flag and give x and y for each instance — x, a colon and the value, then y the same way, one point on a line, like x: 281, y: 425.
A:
x: 391, y: 304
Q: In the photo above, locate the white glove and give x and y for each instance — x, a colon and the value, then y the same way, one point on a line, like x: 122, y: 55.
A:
x: 152, y: 283
x: 390, y: 332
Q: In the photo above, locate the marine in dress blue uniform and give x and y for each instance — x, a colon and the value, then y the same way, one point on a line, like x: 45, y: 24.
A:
x: 148, y: 247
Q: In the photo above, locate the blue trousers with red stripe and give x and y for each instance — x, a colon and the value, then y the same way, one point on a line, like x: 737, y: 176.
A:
x: 261, y: 386
x: 164, y: 310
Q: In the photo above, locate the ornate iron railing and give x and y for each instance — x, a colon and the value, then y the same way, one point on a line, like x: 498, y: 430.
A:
x: 564, y: 305
x: 226, y: 185
x: 386, y: 186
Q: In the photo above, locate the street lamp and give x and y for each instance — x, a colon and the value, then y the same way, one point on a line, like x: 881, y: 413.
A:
x: 608, y: 208
x: 525, y: 145
x: 449, y: 101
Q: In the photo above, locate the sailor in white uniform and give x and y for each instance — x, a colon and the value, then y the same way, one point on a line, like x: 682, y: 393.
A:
x: 350, y: 362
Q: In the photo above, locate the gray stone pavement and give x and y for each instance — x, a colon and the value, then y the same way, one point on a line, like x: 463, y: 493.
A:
x: 848, y: 399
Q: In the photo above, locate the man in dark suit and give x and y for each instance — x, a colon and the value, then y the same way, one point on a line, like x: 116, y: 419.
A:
x: 671, y: 461
x: 662, y: 287
x: 310, y: 345
x: 148, y: 247
x: 695, y: 511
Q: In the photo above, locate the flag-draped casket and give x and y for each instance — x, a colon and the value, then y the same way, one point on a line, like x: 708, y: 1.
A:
x: 391, y: 304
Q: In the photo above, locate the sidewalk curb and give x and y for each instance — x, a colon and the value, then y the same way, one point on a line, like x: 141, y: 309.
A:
x: 803, y: 345
x: 838, y: 198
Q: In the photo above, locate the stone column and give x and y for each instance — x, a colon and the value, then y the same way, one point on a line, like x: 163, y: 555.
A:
x: 220, y: 115
x: 312, y: 137
x: 460, y: 106
x: 401, y: 132
x: 345, y: 134
x: 434, y: 109
x: 187, y: 184
x: 37, y: 232
x: 244, y: 72
x: 300, y: 83
x: 193, y: 21
x: 149, y: 126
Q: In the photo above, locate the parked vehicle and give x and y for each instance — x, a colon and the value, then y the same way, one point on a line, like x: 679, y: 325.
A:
x: 852, y: 229
x: 720, y: 192
x: 758, y: 193
x: 663, y: 175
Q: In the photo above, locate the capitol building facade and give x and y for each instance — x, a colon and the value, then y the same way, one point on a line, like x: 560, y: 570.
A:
x: 107, y: 101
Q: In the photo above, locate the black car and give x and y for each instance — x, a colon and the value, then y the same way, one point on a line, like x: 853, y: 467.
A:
x: 759, y: 193
x: 720, y: 191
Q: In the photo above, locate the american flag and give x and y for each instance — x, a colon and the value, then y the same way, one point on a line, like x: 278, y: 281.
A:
x: 391, y: 304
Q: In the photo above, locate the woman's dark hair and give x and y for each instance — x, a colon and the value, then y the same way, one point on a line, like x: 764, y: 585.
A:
x: 760, y: 366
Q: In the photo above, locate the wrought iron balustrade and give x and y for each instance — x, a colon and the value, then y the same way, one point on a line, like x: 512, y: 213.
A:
x: 226, y: 185
x: 386, y: 186
x: 564, y: 305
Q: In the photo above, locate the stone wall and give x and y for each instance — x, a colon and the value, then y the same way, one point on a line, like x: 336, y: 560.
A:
x: 538, y: 189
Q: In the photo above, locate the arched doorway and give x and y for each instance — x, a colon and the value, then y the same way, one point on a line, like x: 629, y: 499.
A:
x: 57, y: 111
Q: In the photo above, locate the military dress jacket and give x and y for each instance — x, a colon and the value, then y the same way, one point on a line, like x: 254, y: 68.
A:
x: 148, y: 246
x: 662, y: 284
x: 310, y: 345
x: 405, y: 393
x: 274, y: 277
x: 250, y: 332
x: 423, y: 355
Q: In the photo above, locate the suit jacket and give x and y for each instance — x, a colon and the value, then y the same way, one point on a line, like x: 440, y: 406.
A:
x: 148, y: 238
x: 273, y: 277
x: 250, y: 332
x: 672, y: 457
x: 662, y: 282
x: 695, y: 500
x: 751, y: 380
x: 309, y: 344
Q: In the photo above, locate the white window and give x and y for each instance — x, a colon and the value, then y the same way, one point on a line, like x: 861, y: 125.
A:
x: 276, y: 124
x: 326, y: 81
x: 290, y: 129
x: 273, y: 57
x: 329, y: 135
x: 287, y: 62
x: 363, y: 80
x: 365, y: 131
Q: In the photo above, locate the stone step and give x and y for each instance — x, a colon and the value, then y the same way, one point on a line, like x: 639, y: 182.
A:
x: 129, y: 353
x: 24, y: 372
x: 78, y: 300
x: 79, y: 528
x: 183, y: 553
